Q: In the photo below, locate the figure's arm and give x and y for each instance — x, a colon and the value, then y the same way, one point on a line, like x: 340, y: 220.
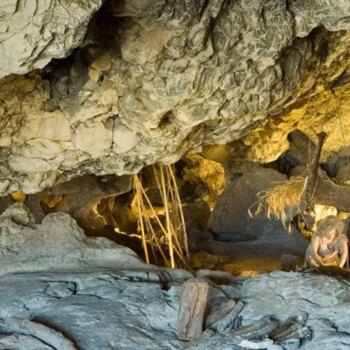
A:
x: 344, y: 251
x: 315, y: 244
x: 331, y: 256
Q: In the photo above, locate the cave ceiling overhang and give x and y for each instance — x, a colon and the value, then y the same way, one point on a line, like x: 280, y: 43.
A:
x: 145, y: 82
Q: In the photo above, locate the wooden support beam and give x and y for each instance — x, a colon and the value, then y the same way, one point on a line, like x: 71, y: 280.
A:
x: 313, y: 168
x: 323, y: 191
x: 193, y: 303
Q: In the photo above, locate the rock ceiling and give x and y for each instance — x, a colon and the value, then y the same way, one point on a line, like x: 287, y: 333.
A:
x: 146, y: 81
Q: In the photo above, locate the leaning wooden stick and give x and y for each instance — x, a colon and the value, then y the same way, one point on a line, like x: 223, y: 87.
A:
x: 193, y: 302
x: 220, y: 313
x: 264, y: 331
x: 301, y: 333
x: 293, y: 329
x: 289, y: 326
x: 253, y: 327
x: 313, y: 168
x: 227, y: 319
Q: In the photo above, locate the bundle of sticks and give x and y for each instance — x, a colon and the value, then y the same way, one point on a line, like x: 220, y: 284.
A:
x: 225, y: 322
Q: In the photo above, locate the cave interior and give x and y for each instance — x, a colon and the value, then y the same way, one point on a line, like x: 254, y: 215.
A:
x: 203, y: 138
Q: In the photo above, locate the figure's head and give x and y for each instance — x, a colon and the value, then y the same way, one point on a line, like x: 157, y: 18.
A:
x: 330, y: 227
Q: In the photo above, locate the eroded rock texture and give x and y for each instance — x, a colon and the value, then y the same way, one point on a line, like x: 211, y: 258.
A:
x: 34, y: 32
x: 62, y: 290
x: 57, y: 244
x: 155, y: 79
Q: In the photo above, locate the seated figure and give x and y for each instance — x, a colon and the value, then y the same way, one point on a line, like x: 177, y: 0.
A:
x: 328, y: 246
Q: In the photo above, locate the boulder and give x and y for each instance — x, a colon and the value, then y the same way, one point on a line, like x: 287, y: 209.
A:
x: 231, y: 219
x: 343, y: 175
x: 196, y: 217
x: 57, y: 244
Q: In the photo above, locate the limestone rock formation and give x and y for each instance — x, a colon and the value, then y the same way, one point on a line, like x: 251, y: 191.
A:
x: 235, y: 217
x: 155, y: 79
x: 107, y: 87
x: 57, y: 244
x: 32, y: 33
x: 81, y: 196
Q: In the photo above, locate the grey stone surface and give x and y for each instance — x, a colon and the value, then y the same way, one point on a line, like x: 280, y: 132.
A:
x: 105, y: 310
x: 176, y: 75
x: 285, y: 293
x: 34, y: 32
x: 235, y: 216
x: 61, y: 290
x: 58, y: 243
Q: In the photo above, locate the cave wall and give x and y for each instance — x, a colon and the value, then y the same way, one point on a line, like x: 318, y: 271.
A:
x: 154, y: 80
x: 32, y: 33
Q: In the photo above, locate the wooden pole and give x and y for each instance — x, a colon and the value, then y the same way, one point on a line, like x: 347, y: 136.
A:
x: 193, y: 303
x: 313, y: 168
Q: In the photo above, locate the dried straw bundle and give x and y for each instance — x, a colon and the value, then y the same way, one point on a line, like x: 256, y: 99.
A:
x: 279, y: 201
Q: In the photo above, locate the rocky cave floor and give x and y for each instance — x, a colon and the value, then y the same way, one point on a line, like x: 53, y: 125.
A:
x: 248, y: 258
x: 62, y: 290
